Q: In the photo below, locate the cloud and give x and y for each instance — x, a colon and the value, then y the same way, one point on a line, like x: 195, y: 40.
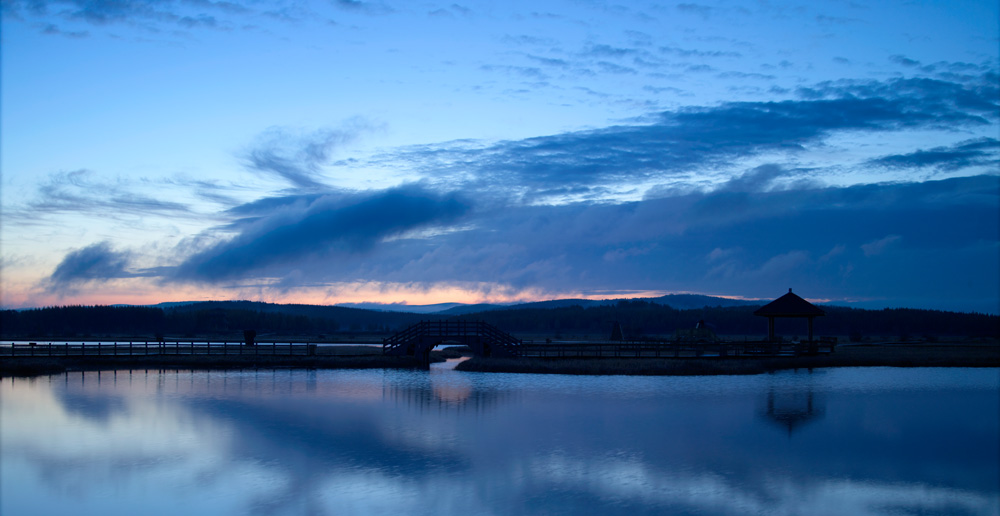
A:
x: 699, y: 9
x: 877, y: 247
x: 79, y: 192
x: 689, y: 52
x: 903, y: 60
x: 144, y: 14
x: 760, y: 179
x: 608, y: 51
x: 749, y: 238
x: 298, y: 158
x: 364, y: 7
x: 97, y: 262
x: 978, y: 152
x: 703, y: 140
x: 451, y: 11
x: 290, y: 230
x: 52, y: 29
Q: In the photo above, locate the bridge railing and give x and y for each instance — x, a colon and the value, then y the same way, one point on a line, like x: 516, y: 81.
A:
x: 446, y: 329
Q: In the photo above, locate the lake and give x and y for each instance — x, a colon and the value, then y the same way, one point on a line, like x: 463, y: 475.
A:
x: 831, y: 441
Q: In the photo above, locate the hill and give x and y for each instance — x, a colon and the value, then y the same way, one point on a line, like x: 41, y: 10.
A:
x: 639, y: 318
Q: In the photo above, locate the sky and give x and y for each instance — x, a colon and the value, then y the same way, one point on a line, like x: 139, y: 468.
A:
x: 418, y: 152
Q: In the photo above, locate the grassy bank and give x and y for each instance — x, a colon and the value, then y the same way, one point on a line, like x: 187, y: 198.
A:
x: 899, y: 355
x: 339, y: 357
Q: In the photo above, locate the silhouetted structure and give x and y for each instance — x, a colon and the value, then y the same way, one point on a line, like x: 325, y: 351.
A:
x: 791, y: 306
x: 700, y: 334
x: 616, y: 332
x: 484, y: 339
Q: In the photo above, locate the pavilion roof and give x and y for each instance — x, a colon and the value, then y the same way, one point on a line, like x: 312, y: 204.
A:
x: 789, y: 305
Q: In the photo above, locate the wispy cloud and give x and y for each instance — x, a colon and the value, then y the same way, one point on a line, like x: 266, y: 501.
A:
x: 81, y: 192
x: 707, y: 139
x: 366, y: 7
x: 299, y: 157
x: 978, y: 152
x: 148, y: 14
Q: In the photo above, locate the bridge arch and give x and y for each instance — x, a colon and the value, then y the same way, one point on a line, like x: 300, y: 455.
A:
x: 484, y: 339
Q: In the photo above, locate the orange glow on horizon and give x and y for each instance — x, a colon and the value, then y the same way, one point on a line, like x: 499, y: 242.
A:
x: 139, y: 291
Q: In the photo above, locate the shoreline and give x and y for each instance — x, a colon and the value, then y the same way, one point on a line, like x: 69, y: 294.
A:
x: 343, y: 358
x: 861, y: 355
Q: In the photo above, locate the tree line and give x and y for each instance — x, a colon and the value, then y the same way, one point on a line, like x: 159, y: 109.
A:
x: 638, y: 318
x: 642, y: 318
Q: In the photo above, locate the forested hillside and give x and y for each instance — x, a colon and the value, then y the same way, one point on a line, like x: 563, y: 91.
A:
x: 638, y: 318
x: 642, y: 318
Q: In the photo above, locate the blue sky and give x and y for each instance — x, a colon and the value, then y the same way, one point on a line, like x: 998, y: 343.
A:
x: 418, y: 152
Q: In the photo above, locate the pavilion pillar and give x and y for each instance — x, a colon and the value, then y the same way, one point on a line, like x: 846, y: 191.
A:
x: 770, y: 329
x: 811, y: 329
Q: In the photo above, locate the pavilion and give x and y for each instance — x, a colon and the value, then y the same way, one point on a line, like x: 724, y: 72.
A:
x: 789, y: 305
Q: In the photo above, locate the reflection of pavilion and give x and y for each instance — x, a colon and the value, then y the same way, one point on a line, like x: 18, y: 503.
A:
x: 793, y: 409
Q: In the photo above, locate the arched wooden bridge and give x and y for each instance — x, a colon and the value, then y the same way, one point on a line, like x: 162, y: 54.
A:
x: 484, y: 339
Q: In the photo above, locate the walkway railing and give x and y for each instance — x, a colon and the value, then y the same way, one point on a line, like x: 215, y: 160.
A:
x: 155, y: 348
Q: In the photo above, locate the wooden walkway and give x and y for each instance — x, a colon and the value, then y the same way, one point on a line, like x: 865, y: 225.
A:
x: 156, y: 348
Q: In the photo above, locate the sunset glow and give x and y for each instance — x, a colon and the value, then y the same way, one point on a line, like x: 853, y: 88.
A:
x: 378, y: 151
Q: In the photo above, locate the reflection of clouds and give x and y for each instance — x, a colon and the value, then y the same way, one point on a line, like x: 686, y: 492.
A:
x: 702, y: 492
x: 328, y: 442
x: 80, y: 443
x: 71, y: 423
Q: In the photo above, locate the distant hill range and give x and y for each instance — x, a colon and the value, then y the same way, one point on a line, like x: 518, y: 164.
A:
x: 676, y: 301
x: 649, y: 317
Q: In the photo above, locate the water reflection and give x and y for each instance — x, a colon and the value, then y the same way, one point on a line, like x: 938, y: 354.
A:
x: 327, y: 442
x: 791, y: 407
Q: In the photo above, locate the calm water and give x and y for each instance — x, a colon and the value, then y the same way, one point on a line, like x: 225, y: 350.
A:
x: 835, y: 441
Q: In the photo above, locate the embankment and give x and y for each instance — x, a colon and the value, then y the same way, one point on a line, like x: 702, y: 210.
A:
x: 364, y: 358
x: 891, y: 355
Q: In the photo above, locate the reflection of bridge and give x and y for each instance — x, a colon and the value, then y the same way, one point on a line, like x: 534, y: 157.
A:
x: 484, y: 339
